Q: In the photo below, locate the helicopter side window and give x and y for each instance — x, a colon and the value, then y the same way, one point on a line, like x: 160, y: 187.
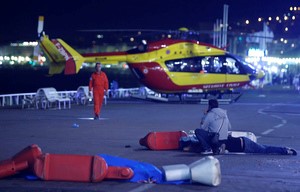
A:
x: 225, y: 65
x: 185, y: 65
x: 224, y: 68
x: 216, y: 65
x: 241, y: 65
x: 174, y: 65
x: 192, y: 65
x: 208, y: 64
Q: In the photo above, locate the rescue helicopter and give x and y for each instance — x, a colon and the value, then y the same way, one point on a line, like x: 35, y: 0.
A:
x: 167, y: 66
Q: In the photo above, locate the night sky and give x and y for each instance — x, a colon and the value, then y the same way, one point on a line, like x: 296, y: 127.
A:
x: 19, y: 18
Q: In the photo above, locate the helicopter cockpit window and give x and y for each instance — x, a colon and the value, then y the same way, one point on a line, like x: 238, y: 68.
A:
x: 232, y: 66
x: 185, y: 65
x: 220, y: 64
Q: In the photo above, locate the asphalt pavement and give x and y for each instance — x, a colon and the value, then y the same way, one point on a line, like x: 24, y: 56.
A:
x: 271, y: 114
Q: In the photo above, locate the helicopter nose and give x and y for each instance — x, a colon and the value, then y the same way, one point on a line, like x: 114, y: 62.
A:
x: 260, y: 74
x: 257, y: 75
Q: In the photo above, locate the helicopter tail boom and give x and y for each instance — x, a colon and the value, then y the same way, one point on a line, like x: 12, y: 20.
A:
x: 62, y: 56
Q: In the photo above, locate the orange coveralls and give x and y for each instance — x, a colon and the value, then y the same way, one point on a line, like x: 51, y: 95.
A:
x: 98, y: 84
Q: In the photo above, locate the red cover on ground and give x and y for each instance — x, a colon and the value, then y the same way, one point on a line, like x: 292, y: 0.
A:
x: 9, y: 167
x: 162, y: 140
x: 28, y: 154
x: 59, y: 167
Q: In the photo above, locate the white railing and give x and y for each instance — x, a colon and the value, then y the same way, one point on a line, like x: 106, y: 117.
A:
x: 14, y: 99
x: 17, y: 99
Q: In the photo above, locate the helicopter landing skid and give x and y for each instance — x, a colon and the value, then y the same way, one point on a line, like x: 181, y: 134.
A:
x: 223, y: 98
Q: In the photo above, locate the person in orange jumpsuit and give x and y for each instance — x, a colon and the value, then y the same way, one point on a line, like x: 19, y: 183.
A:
x: 98, y: 85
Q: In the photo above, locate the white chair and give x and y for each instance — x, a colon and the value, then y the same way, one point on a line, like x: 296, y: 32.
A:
x: 49, y: 95
x: 83, y: 95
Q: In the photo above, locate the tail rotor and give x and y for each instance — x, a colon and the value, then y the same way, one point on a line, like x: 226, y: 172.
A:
x: 36, y: 50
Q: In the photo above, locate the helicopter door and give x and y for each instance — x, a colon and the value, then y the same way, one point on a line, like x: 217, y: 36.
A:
x: 232, y: 70
x: 217, y: 66
x: 185, y: 71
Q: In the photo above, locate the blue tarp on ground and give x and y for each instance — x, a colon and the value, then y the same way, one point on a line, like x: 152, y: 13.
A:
x: 143, y: 172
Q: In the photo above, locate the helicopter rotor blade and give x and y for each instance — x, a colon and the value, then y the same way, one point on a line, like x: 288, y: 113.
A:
x: 40, y: 28
x: 40, y: 25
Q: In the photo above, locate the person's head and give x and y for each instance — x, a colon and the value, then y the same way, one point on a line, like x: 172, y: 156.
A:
x: 98, y: 67
x: 213, y: 103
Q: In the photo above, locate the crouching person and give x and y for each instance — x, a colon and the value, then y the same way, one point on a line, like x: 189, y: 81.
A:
x: 213, y: 131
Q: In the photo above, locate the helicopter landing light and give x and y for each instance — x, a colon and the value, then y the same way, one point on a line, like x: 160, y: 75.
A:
x: 195, y: 91
x: 91, y: 118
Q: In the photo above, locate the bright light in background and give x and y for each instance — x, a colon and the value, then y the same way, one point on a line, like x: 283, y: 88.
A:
x: 255, y: 53
x: 273, y: 60
x: 28, y: 59
x: 144, y: 42
x: 25, y: 44
x: 20, y: 60
x: 100, y: 36
x: 247, y: 21
x: 274, y: 69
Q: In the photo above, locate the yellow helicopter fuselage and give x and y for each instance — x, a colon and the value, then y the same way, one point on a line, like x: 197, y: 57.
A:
x: 166, y: 66
x: 174, y: 66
